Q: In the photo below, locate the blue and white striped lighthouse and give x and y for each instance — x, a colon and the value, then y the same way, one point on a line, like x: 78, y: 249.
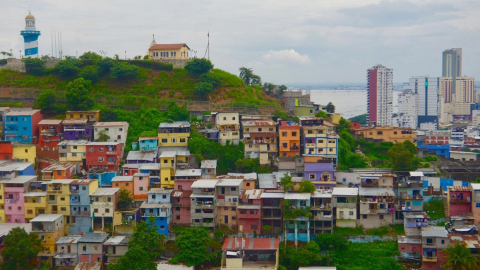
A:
x: 30, y: 36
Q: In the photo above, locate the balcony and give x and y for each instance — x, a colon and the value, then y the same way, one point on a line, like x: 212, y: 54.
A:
x: 460, y: 200
x: 411, y: 185
x: 7, y: 201
x: 249, y: 215
x: 410, y: 197
x: 429, y: 259
x: 369, y: 183
x: 346, y: 205
x: 323, y: 217
x: 54, y: 191
x: 204, y: 206
x: 80, y: 213
x: 111, y: 153
x: 429, y: 244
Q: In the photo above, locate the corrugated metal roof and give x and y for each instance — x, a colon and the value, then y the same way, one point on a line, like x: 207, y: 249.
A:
x: 179, y: 124
x: 229, y: 182
x: 209, y: 164
x: 122, y: 179
x: 189, y: 172
x: 458, y: 188
x: 273, y: 195
x: 251, y: 194
x: 368, y: 191
x: 110, y: 124
x: 434, y: 231
x: 50, y: 122
x: 47, y: 218
x: 93, y: 238
x: 142, y: 155
x: 105, y: 191
x: 339, y: 191
x: 254, y: 123
x: 251, y: 243
x: 297, y: 196
x: 117, y: 240
x: 68, y: 239
x: 204, y: 183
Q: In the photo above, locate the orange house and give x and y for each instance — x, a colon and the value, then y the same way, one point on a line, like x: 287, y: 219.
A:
x: 63, y: 170
x: 289, y: 139
x: 123, y: 182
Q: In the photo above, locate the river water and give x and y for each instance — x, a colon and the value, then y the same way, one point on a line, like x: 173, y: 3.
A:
x: 347, y: 102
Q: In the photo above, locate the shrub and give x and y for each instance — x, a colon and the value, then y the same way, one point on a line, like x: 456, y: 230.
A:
x: 155, y: 65
x: 123, y: 70
x: 33, y: 63
x: 68, y: 67
x: 90, y: 56
x: 90, y: 73
x: 105, y: 64
x: 203, y: 88
x: 199, y: 66
x: 210, y: 78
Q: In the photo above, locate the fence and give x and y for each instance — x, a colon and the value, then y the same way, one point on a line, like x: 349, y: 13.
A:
x: 369, y: 238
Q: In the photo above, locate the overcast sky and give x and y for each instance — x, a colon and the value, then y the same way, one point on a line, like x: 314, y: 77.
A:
x: 318, y: 41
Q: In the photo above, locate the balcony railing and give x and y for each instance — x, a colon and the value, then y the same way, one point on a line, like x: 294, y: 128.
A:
x: 429, y: 244
x: 455, y: 200
x: 80, y: 213
x: 111, y: 153
x: 12, y: 200
x: 429, y: 258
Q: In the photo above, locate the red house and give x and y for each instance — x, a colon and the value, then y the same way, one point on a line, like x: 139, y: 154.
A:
x: 459, y: 201
x: 249, y: 214
x: 130, y: 169
x: 104, y: 154
x: 181, y: 201
x: 50, y: 133
x: 354, y: 125
x: 6, y: 150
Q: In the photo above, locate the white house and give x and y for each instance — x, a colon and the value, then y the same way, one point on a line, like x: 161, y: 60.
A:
x: 116, y: 131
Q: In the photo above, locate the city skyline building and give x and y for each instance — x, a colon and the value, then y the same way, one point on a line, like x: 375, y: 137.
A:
x: 30, y: 37
x: 426, y: 91
x: 452, y: 64
x: 379, y: 95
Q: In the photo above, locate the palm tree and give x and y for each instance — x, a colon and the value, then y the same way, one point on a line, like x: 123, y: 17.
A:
x: 460, y: 257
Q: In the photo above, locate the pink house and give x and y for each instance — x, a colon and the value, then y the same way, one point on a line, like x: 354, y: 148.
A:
x: 140, y: 185
x: 181, y: 201
x: 459, y: 201
x: 14, y: 202
x: 249, y: 212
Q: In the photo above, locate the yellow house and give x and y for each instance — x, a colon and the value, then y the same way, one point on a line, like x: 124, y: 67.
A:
x: 124, y: 221
x: 24, y: 152
x: 388, y: 134
x: 2, y: 206
x: 58, y: 199
x: 49, y: 227
x: 173, y: 134
x: 35, y: 204
x: 168, y: 51
x: 335, y: 118
x: 167, y: 168
x: 72, y: 151
x: 91, y: 116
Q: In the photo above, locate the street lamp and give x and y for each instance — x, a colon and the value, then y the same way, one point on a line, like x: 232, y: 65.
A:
x: 125, y: 55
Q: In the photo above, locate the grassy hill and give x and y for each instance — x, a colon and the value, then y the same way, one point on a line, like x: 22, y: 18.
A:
x: 151, y: 88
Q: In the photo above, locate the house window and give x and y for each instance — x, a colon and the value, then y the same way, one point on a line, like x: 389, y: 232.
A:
x: 140, y: 188
x: 233, y: 189
x: 154, y: 197
x: 320, y: 141
x: 350, y: 213
x: 380, y: 216
x: 116, y: 184
x: 100, y: 149
x: 109, y: 199
x: 84, y: 188
x: 59, y: 173
x: 248, y: 184
x: 120, y: 129
x: 259, y: 129
x: 63, y: 209
x: 477, y: 205
x: 284, y: 134
x: 19, y: 208
x: 182, y: 140
x: 91, y: 149
x: 107, y: 210
x: 311, y: 176
x: 174, y: 140
x: 364, y: 216
x: 165, y: 161
x: 95, y: 210
x: 233, y: 118
x: 101, y: 159
x: 164, y: 196
x: 74, y: 154
x: 270, y: 129
x: 127, y: 184
x: 26, y: 150
x: 224, y: 118
x: 164, y: 140
x: 119, y: 137
x: 62, y: 198
x: 443, y: 241
x: 178, y: 217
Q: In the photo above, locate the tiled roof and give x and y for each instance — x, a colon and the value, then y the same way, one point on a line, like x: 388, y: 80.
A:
x: 168, y: 46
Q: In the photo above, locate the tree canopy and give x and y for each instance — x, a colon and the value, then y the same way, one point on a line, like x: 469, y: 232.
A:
x: 248, y: 77
x: 403, y: 157
x: 292, y: 258
x: 125, y: 198
x: 460, y: 257
x: 20, y: 249
x: 90, y: 56
x: 287, y: 182
x: 78, y: 94
x: 46, y: 101
x: 360, y: 118
x: 198, y: 66
x: 123, y: 70
x: 307, y: 186
x: 68, y: 67
x: 330, y: 107
x: 193, y: 244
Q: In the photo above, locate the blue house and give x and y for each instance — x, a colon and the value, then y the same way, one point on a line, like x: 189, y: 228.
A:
x: 159, y: 207
x: 22, y: 126
x: 440, y: 150
x: 148, y: 143
x: 11, y: 169
x: 81, y: 221
x: 409, y: 197
x: 298, y: 228
x: 104, y: 178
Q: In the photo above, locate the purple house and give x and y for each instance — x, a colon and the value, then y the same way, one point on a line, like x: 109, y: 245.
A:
x: 320, y: 174
x: 77, y: 129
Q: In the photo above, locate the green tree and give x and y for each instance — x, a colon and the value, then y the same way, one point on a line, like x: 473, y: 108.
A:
x: 123, y: 70
x: 322, y: 114
x: 105, y: 64
x: 116, y: 56
x: 177, y: 113
x: 280, y: 114
x: 282, y: 89
x: 193, y: 243
x: 460, y: 257
x: 136, y: 259
x: 102, y: 136
x: 362, y: 119
x: 296, y: 257
x: 125, y: 198
x: 138, y: 57
x: 90, y: 73
x: 343, y: 125
x: 248, y: 77
x: 330, y: 107
x: 147, y: 237
x: 90, y: 56
x: 331, y: 242
x: 198, y: 66
x: 68, y: 67
x: 33, y: 63
x: 203, y: 88
x: 108, y: 115
x: 402, y: 155
x: 210, y: 78
x: 20, y: 249
x: 287, y: 182
x: 145, y: 57
x: 46, y: 101
x: 307, y: 186
x: 78, y: 95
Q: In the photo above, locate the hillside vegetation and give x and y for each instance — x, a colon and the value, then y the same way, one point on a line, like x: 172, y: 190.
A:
x: 137, y: 84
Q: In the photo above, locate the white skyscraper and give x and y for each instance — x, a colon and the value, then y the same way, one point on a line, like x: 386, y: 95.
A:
x: 426, y: 90
x: 380, y: 95
x: 407, y: 109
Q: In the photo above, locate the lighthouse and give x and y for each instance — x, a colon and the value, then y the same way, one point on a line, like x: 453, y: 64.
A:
x: 30, y: 36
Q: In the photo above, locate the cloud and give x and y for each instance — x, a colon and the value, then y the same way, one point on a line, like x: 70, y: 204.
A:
x: 286, y: 56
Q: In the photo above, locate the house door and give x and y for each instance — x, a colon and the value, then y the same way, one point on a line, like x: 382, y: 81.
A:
x: 69, y: 249
x: 226, y: 219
